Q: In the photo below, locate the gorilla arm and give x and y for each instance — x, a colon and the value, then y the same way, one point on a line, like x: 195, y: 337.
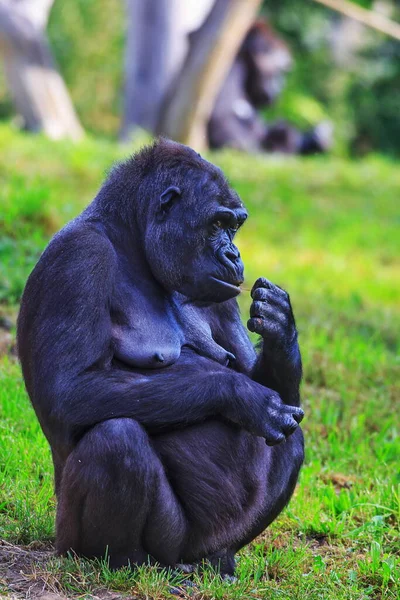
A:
x: 278, y: 364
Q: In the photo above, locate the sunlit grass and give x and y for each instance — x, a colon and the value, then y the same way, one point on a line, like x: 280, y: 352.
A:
x: 327, y: 231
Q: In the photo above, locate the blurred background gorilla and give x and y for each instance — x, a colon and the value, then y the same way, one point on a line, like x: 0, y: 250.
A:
x: 254, y: 82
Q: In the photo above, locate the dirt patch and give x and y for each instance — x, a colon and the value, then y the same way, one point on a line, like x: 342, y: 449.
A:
x: 17, y: 572
x: 23, y: 575
x: 339, y: 480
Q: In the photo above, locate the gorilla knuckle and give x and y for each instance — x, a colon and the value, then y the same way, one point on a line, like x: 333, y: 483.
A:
x: 260, y: 294
x: 262, y: 282
x: 298, y: 414
x: 290, y: 425
x: 258, y: 309
x: 274, y: 438
x: 282, y: 292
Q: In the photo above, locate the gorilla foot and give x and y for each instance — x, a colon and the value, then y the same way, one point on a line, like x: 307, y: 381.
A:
x: 138, y: 558
x: 186, y: 568
x: 224, y: 563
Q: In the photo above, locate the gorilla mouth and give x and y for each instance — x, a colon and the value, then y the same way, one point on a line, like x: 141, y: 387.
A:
x: 232, y: 285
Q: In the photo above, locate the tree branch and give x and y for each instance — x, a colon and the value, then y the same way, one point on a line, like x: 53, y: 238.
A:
x: 365, y: 16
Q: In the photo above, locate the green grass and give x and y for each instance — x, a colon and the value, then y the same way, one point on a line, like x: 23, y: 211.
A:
x: 327, y: 231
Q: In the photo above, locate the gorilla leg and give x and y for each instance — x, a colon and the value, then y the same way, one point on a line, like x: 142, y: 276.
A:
x: 114, y: 497
x: 282, y: 469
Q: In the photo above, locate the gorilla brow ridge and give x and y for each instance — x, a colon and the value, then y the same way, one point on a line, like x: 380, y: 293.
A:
x: 149, y: 168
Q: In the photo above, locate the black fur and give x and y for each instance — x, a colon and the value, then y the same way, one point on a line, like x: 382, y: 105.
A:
x: 146, y: 385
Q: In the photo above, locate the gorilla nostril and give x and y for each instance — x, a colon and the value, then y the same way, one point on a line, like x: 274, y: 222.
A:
x: 232, y: 255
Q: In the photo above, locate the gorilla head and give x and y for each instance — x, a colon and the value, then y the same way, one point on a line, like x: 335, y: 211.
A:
x: 186, y: 216
x: 267, y: 59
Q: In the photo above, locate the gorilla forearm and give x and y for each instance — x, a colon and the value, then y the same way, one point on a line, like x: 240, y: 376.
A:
x: 281, y: 372
x: 193, y: 395
x: 196, y: 391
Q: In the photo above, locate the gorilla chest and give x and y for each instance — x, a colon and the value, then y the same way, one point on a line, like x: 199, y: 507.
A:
x: 145, y: 333
x: 149, y: 330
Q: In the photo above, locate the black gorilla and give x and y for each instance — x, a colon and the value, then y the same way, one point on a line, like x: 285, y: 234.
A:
x: 255, y: 81
x: 143, y: 378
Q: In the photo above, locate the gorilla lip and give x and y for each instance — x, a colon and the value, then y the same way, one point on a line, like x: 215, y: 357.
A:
x: 233, y: 286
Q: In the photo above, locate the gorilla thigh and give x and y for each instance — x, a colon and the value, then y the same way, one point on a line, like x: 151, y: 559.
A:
x: 114, y: 496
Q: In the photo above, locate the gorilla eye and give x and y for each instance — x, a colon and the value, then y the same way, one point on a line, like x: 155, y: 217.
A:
x: 225, y: 220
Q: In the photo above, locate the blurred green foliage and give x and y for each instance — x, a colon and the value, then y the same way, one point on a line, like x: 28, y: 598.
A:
x: 361, y: 97
x: 88, y: 39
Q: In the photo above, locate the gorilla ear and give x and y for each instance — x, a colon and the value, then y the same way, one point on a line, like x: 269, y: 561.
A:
x: 168, y: 197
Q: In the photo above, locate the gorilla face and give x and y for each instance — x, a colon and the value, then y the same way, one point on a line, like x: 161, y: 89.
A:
x: 189, y: 245
x: 268, y: 61
x: 268, y: 68
x: 218, y: 269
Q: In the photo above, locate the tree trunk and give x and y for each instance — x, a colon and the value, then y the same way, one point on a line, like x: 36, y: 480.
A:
x: 155, y: 50
x: 212, y: 51
x: 38, y: 90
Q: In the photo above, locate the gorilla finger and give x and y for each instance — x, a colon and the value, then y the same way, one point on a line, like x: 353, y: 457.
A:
x: 277, y: 316
x: 267, y: 328
x: 271, y: 295
x: 298, y: 415
x: 283, y: 293
x: 272, y: 327
x: 271, y: 317
x: 290, y: 426
x: 272, y: 307
x: 255, y: 325
x: 260, y: 309
x: 273, y: 438
x: 261, y: 283
x: 296, y: 412
x: 260, y: 294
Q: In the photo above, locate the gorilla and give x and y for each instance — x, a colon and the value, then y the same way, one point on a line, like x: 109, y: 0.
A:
x: 165, y: 426
x: 254, y: 82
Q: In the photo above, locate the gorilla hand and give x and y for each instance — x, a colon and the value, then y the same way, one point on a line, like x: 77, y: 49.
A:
x: 261, y: 411
x: 271, y: 316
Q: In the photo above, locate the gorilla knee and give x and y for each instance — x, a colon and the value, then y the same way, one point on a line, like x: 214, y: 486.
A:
x: 108, y: 484
x: 115, y: 452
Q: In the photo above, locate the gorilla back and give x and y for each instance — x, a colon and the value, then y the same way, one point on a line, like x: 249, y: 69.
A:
x: 165, y: 426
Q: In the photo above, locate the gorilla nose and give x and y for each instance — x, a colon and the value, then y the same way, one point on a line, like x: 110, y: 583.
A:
x: 232, y: 254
